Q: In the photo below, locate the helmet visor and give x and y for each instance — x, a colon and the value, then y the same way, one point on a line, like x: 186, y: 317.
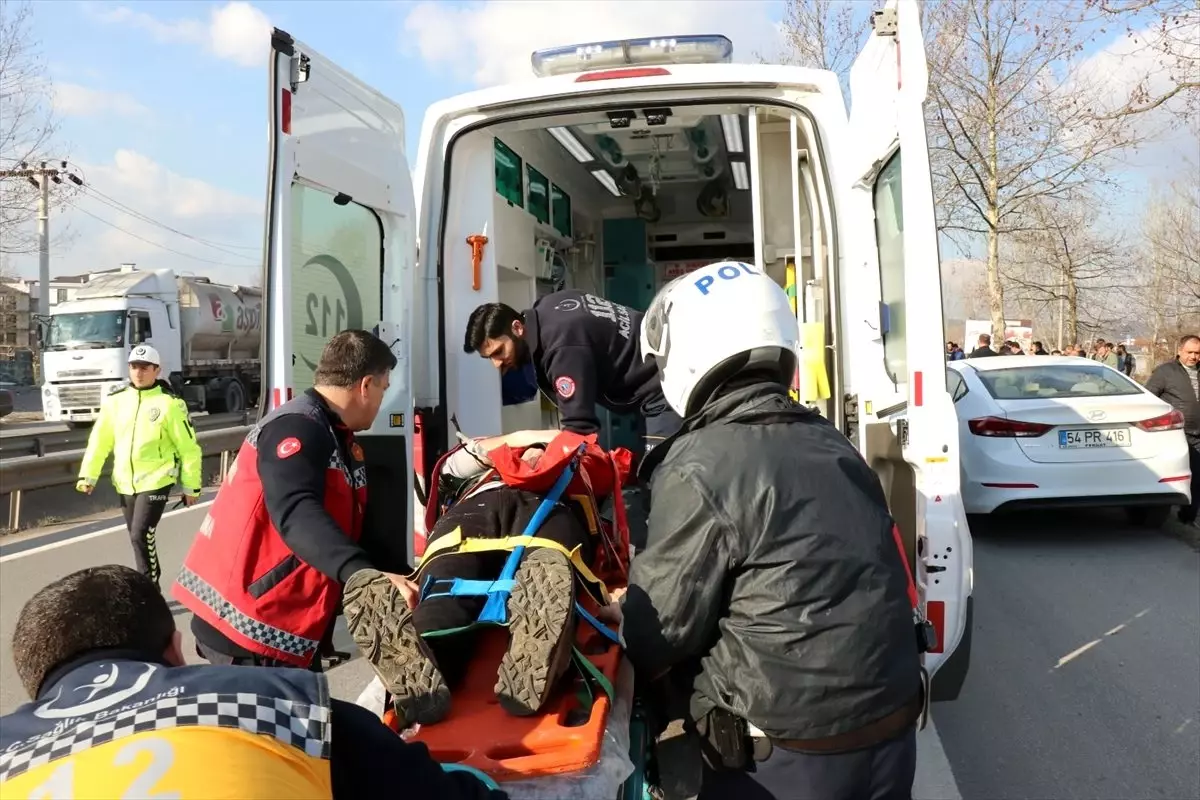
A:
x: 656, y: 339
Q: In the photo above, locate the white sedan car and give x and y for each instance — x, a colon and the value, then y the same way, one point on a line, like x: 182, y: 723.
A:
x: 1060, y: 431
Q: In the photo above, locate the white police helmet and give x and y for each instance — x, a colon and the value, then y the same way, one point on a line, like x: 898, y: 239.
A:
x: 145, y: 354
x: 711, y: 324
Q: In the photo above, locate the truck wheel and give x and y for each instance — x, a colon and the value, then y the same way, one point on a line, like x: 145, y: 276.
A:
x: 235, y: 397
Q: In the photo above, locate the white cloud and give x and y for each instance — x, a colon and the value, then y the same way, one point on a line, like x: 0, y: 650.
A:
x: 490, y: 42
x: 1143, y: 59
x: 127, y: 211
x: 73, y: 100
x: 237, y: 31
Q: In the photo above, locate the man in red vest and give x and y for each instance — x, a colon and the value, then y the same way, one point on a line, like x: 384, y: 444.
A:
x: 265, y: 573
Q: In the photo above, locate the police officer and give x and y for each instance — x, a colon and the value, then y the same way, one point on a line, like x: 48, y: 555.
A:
x: 583, y: 351
x: 265, y: 573
x: 116, y: 712
x: 771, y: 574
x: 146, y: 427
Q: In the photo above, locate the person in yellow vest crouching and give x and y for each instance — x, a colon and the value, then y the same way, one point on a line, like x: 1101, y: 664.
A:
x: 117, y: 713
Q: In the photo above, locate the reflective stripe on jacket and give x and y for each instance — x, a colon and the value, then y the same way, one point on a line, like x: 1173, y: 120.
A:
x: 243, y: 579
x: 151, y: 440
x: 121, y: 727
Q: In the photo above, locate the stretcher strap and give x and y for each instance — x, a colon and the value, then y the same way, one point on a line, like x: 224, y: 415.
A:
x: 591, y: 674
x: 455, y: 544
x: 607, y: 632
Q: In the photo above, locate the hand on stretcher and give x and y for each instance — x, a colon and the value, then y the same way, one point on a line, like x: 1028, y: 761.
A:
x: 611, y: 613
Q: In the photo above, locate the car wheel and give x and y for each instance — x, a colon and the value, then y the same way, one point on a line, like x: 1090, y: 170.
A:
x: 1148, y: 516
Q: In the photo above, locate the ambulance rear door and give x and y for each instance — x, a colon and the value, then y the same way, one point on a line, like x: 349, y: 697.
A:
x: 341, y: 252
x: 908, y: 427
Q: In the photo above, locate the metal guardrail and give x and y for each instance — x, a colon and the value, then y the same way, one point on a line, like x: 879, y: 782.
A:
x: 27, y: 473
x: 43, y: 444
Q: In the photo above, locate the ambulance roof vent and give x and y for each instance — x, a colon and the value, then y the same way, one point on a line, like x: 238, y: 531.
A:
x: 705, y: 49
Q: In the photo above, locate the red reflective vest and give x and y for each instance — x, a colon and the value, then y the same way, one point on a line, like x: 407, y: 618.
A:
x: 242, y: 578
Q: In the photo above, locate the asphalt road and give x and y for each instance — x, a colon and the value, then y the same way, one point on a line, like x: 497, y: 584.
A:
x: 1085, y: 676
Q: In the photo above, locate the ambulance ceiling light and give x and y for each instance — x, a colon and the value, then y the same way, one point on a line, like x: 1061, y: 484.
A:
x: 606, y: 181
x: 703, y: 49
x: 571, y: 144
x: 741, y: 176
x: 731, y: 126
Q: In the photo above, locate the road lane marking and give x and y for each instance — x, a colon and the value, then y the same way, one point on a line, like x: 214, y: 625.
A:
x: 1077, y: 652
x: 93, y: 534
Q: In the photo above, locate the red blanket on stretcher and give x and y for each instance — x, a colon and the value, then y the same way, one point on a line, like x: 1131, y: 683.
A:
x: 599, y: 470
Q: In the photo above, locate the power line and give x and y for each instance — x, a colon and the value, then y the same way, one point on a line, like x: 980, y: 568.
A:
x: 119, y: 206
x: 114, y: 226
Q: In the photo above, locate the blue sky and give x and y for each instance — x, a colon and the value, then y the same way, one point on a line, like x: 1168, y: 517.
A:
x: 163, y: 104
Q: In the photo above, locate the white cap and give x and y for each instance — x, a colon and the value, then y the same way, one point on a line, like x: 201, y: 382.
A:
x: 145, y: 353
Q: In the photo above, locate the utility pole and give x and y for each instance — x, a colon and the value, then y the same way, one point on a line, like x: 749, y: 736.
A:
x: 41, y: 177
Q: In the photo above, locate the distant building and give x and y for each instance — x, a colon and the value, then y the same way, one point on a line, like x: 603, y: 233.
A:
x: 19, y: 306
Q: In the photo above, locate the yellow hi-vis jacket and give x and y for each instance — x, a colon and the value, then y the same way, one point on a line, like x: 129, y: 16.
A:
x: 151, y: 439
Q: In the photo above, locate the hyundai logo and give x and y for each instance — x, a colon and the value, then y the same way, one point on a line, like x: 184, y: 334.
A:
x: 1097, y: 415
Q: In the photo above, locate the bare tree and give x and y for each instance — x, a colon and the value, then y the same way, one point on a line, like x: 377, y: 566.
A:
x: 1168, y: 36
x: 1171, y: 251
x: 1011, y: 122
x: 1071, y: 262
x: 824, y: 34
x: 27, y: 127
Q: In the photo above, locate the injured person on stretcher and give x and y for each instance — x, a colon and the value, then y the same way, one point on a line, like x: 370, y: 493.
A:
x: 489, y: 508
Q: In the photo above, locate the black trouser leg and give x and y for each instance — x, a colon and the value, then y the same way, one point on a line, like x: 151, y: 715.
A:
x: 883, y: 772
x: 489, y: 515
x: 1189, y: 514
x: 142, y: 513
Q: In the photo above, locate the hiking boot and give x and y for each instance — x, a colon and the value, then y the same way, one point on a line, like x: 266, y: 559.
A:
x: 541, y: 629
x: 382, y: 626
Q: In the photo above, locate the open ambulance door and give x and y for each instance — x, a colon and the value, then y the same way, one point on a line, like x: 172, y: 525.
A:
x: 341, y: 251
x: 909, y: 431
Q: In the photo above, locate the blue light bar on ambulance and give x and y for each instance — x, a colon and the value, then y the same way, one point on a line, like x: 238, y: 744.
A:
x: 707, y: 49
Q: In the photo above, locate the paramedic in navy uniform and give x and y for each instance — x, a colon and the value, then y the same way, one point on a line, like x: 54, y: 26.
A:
x: 584, y: 352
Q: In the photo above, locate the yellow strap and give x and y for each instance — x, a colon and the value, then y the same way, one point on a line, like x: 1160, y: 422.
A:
x: 454, y: 539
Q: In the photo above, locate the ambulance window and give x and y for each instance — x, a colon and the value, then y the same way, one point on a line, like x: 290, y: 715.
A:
x: 889, y: 232
x: 509, y: 176
x: 539, y: 195
x: 337, y: 258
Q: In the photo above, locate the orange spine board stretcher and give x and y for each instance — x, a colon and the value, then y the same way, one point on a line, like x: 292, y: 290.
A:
x: 480, y: 734
x: 564, y: 737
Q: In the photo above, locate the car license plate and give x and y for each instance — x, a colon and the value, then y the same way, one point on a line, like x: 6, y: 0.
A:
x: 1094, y: 437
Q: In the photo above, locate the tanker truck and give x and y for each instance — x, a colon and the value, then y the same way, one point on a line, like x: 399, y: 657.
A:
x: 207, y: 334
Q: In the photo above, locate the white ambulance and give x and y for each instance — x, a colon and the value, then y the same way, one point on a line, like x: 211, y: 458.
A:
x: 620, y: 165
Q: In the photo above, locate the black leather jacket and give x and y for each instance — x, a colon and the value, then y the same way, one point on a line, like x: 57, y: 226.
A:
x: 771, y: 569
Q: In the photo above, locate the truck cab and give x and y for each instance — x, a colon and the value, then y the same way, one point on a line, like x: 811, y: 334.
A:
x: 88, y: 340
x: 207, y: 335
x: 619, y: 166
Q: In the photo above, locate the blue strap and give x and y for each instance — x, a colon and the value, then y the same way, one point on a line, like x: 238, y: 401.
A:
x: 597, y: 624
x: 481, y: 776
x: 496, y: 608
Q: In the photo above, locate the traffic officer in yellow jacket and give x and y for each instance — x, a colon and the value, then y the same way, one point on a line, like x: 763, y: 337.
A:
x: 116, y: 713
x: 146, y: 427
